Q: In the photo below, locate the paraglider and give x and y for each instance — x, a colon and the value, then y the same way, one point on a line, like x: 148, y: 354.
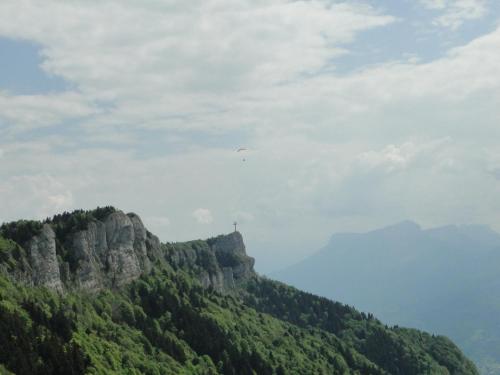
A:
x: 242, y: 149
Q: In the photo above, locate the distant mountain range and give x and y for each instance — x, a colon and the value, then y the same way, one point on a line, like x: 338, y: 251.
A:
x: 445, y: 280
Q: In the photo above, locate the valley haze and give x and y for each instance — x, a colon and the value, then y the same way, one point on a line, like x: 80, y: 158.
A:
x: 444, y: 280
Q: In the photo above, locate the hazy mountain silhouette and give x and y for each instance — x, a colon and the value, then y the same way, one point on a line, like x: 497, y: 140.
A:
x: 445, y: 280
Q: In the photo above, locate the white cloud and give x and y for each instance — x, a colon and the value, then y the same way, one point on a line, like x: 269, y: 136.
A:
x: 176, y: 65
x: 394, y: 158
x: 203, y: 216
x: 391, y: 157
x: 34, y: 196
x: 456, y: 12
x: 434, y: 4
x: 186, y: 83
x: 26, y: 112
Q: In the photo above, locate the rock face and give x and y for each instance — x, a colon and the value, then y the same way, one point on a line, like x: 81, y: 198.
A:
x: 232, y: 258
x: 220, y: 263
x: 89, y: 249
x: 117, y: 249
x: 122, y: 262
x: 111, y: 253
x: 43, y: 259
x: 108, y: 253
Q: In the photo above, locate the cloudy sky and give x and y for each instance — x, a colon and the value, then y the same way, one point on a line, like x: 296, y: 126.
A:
x: 355, y: 115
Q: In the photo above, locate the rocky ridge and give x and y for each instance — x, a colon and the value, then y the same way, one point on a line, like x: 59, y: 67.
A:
x: 220, y: 263
x: 117, y: 249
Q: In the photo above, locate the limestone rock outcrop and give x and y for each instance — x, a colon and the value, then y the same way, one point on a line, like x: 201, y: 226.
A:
x: 112, y: 252
x: 220, y: 263
x: 43, y: 259
x: 231, y: 255
x: 108, y: 253
x: 116, y: 249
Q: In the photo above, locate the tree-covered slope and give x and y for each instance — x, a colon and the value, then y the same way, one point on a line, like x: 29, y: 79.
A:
x: 396, y: 350
x: 198, y: 308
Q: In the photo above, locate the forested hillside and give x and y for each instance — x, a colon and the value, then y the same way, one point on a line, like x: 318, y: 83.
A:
x: 194, y: 308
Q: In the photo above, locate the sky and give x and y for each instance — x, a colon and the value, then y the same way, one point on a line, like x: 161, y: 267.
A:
x: 354, y: 114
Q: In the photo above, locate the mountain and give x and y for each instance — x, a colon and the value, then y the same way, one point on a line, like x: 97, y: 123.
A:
x: 445, y: 280
x: 93, y: 292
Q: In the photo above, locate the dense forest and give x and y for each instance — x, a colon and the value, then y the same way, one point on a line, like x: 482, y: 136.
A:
x: 166, y: 322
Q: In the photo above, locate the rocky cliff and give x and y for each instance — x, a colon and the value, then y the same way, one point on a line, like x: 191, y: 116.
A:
x: 221, y: 262
x: 110, y: 251
x: 43, y: 259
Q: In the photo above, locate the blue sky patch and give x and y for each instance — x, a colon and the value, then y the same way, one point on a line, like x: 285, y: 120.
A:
x: 21, y: 73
